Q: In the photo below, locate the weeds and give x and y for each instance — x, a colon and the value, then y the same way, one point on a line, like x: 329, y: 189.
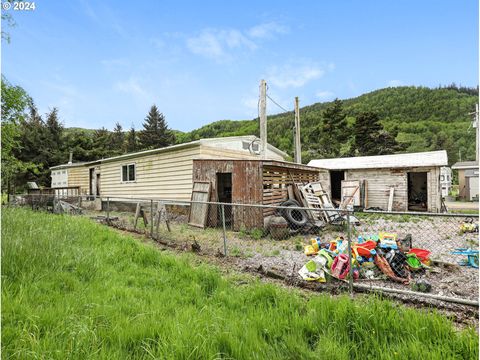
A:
x: 75, y: 289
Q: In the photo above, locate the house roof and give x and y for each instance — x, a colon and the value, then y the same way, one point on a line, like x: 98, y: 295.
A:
x: 462, y: 165
x: 431, y: 158
x: 207, y: 141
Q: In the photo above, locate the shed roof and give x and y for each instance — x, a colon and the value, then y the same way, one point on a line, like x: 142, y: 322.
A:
x: 461, y: 165
x: 431, y: 158
x: 172, y: 148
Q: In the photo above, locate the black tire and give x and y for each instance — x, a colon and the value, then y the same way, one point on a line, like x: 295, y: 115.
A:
x: 295, y: 217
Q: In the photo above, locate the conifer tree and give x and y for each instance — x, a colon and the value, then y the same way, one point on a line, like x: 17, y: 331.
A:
x: 117, y: 139
x: 131, y: 141
x: 155, y: 133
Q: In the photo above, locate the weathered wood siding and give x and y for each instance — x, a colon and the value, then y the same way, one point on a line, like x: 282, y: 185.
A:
x: 379, y: 182
x: 276, y: 180
x: 78, y: 176
x: 166, y: 175
x: 246, y: 189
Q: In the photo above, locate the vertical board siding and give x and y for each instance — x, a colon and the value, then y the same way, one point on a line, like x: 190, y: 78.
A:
x: 379, y: 182
x: 378, y: 189
x: 79, y: 176
x: 276, y: 180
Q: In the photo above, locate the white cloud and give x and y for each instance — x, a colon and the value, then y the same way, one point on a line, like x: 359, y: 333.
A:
x: 267, y: 30
x: 394, y: 83
x: 294, y: 75
x: 220, y: 44
x: 324, y: 95
x: 217, y: 44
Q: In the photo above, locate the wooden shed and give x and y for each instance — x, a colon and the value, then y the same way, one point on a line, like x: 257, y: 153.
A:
x: 404, y: 182
x: 250, y: 182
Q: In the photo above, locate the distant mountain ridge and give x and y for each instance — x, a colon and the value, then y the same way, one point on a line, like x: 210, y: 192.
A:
x: 422, y: 118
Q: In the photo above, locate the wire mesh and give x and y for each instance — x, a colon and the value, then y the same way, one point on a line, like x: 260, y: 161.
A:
x: 419, y: 252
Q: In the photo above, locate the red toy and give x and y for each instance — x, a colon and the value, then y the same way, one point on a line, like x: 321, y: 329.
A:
x: 341, y: 266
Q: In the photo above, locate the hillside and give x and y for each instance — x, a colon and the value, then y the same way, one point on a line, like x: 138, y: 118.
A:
x: 423, y: 119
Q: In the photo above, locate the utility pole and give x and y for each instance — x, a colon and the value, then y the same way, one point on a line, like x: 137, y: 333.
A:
x: 475, y: 125
x: 298, y: 147
x: 263, y: 118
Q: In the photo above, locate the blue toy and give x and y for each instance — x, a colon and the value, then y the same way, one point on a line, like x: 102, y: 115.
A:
x: 472, y: 257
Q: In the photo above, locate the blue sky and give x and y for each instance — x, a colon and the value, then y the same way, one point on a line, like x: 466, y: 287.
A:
x: 101, y: 62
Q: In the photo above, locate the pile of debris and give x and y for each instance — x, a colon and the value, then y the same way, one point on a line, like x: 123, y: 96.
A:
x: 309, y: 208
x: 374, y: 257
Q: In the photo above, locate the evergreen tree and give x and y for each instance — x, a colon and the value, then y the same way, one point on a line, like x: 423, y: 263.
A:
x: 54, y: 142
x: 370, y: 136
x: 155, y: 133
x: 328, y: 138
x: 131, y: 142
x: 117, y: 139
x: 101, y: 144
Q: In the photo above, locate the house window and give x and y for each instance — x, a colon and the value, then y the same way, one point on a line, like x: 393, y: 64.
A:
x: 128, y: 172
x: 442, y: 177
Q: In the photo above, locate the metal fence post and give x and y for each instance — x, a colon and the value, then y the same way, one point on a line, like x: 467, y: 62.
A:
x: 224, y: 231
x: 108, y: 209
x: 151, y: 219
x: 349, y: 239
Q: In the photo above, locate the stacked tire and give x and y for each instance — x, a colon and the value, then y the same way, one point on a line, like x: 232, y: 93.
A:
x: 297, y: 218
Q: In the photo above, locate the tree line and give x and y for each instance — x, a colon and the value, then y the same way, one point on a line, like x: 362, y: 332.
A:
x: 32, y: 143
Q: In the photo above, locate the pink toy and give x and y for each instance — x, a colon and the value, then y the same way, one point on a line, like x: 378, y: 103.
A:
x: 340, y: 266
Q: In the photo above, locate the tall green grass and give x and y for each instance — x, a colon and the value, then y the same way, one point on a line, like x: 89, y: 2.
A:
x: 72, y: 289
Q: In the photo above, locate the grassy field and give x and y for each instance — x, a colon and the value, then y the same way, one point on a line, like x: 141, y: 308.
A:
x: 74, y: 289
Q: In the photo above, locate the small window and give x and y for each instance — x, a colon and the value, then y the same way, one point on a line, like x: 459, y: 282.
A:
x: 442, y: 177
x: 63, y: 172
x: 128, y: 172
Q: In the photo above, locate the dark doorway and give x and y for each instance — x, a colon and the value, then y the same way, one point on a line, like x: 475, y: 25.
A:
x: 91, y: 181
x: 98, y: 184
x: 417, y: 191
x: 336, y: 178
x: 224, y: 195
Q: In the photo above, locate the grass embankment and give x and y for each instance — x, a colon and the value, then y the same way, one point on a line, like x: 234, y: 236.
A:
x: 74, y: 289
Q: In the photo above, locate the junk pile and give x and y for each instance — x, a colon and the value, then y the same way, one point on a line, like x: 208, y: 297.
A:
x: 374, y: 257
x: 317, y: 207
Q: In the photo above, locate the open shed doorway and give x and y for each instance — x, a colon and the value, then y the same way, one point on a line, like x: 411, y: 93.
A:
x: 224, y: 195
x: 336, y: 178
x: 417, y: 191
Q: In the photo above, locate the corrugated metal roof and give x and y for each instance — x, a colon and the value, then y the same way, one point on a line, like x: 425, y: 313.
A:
x: 169, y: 148
x: 465, y: 165
x: 431, y: 158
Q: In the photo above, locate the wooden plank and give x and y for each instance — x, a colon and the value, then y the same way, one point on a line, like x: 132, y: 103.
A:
x: 350, y: 189
x: 366, y: 194
x: 390, y: 198
x: 198, y: 211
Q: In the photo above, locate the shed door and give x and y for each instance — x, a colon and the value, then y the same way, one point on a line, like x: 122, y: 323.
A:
x: 349, y: 188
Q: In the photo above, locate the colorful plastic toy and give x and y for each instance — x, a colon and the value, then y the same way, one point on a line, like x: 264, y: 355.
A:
x: 472, y: 257
x: 388, y: 240
x: 421, y: 254
x: 341, y: 266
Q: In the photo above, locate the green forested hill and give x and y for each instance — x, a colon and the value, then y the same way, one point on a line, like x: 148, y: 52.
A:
x: 421, y: 119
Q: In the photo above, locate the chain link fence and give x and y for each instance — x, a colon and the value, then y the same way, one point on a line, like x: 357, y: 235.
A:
x: 415, y: 254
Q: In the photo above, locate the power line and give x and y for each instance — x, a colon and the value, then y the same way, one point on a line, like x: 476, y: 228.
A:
x: 280, y: 106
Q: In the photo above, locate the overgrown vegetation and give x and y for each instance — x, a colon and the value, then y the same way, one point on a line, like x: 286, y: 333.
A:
x: 420, y: 118
x: 74, y: 289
